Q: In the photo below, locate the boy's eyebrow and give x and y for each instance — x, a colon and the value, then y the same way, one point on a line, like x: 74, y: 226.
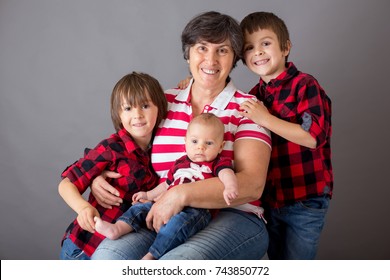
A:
x: 260, y: 39
x: 266, y: 37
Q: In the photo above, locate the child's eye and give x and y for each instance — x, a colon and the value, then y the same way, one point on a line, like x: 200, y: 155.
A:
x: 248, y: 48
x: 194, y: 141
x: 126, y: 108
x: 209, y: 143
x: 145, y: 106
x: 266, y: 44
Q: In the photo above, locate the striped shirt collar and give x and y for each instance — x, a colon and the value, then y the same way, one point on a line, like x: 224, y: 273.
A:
x: 219, y: 103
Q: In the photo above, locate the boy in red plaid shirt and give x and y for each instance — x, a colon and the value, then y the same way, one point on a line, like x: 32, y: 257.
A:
x: 138, y: 105
x: 297, y: 111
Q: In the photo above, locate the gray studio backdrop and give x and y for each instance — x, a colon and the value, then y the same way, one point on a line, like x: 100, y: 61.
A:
x: 59, y: 61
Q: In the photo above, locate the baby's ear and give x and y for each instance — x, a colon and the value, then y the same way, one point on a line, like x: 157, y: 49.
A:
x: 222, y: 145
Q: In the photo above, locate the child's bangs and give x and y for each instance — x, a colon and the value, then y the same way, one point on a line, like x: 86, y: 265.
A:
x: 135, y: 97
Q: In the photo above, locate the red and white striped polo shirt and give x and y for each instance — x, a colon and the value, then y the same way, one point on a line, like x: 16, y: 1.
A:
x: 168, y: 144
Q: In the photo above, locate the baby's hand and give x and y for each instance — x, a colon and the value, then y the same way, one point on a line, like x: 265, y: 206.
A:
x: 229, y: 194
x: 140, y: 197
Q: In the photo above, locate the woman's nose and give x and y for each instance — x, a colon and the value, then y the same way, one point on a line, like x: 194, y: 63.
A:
x: 211, y: 57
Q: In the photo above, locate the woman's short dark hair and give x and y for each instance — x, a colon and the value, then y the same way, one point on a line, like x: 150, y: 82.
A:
x: 213, y: 27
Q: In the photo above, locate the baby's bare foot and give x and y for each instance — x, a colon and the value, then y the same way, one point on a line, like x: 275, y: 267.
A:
x: 109, y: 230
x: 148, y: 256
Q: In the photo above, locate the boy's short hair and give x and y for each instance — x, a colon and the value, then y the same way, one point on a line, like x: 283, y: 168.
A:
x: 266, y: 20
x: 133, y: 89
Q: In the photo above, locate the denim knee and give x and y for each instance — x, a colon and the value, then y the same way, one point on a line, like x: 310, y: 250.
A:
x: 69, y: 251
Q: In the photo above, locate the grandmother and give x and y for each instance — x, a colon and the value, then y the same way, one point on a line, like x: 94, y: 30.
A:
x: 212, y: 44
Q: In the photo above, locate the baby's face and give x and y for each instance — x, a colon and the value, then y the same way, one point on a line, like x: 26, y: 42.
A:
x: 203, y: 143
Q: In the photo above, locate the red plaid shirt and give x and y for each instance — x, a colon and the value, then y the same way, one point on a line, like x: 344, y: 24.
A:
x: 117, y: 153
x: 296, y: 172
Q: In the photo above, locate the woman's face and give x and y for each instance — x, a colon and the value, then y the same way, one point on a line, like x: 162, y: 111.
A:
x: 211, y: 64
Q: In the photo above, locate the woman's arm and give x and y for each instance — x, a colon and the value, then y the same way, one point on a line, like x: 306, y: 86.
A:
x: 251, y: 158
x: 105, y: 194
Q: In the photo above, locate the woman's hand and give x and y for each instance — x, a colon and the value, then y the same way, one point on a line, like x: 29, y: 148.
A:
x: 105, y: 194
x: 167, y: 205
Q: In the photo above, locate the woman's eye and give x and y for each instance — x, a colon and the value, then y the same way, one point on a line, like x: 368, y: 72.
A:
x: 201, y: 48
x: 223, y: 51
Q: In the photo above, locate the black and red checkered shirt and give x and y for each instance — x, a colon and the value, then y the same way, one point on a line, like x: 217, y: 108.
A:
x: 295, y: 172
x: 117, y: 153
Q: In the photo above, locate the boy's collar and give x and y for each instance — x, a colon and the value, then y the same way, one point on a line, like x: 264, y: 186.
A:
x: 129, y: 142
x: 285, y: 75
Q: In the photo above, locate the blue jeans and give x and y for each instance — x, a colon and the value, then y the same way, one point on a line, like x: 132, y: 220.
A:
x: 179, y: 228
x: 70, y: 251
x: 233, y: 234
x: 294, y: 230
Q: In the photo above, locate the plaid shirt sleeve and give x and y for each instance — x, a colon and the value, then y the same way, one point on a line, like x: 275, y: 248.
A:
x: 82, y: 172
x: 314, y: 110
